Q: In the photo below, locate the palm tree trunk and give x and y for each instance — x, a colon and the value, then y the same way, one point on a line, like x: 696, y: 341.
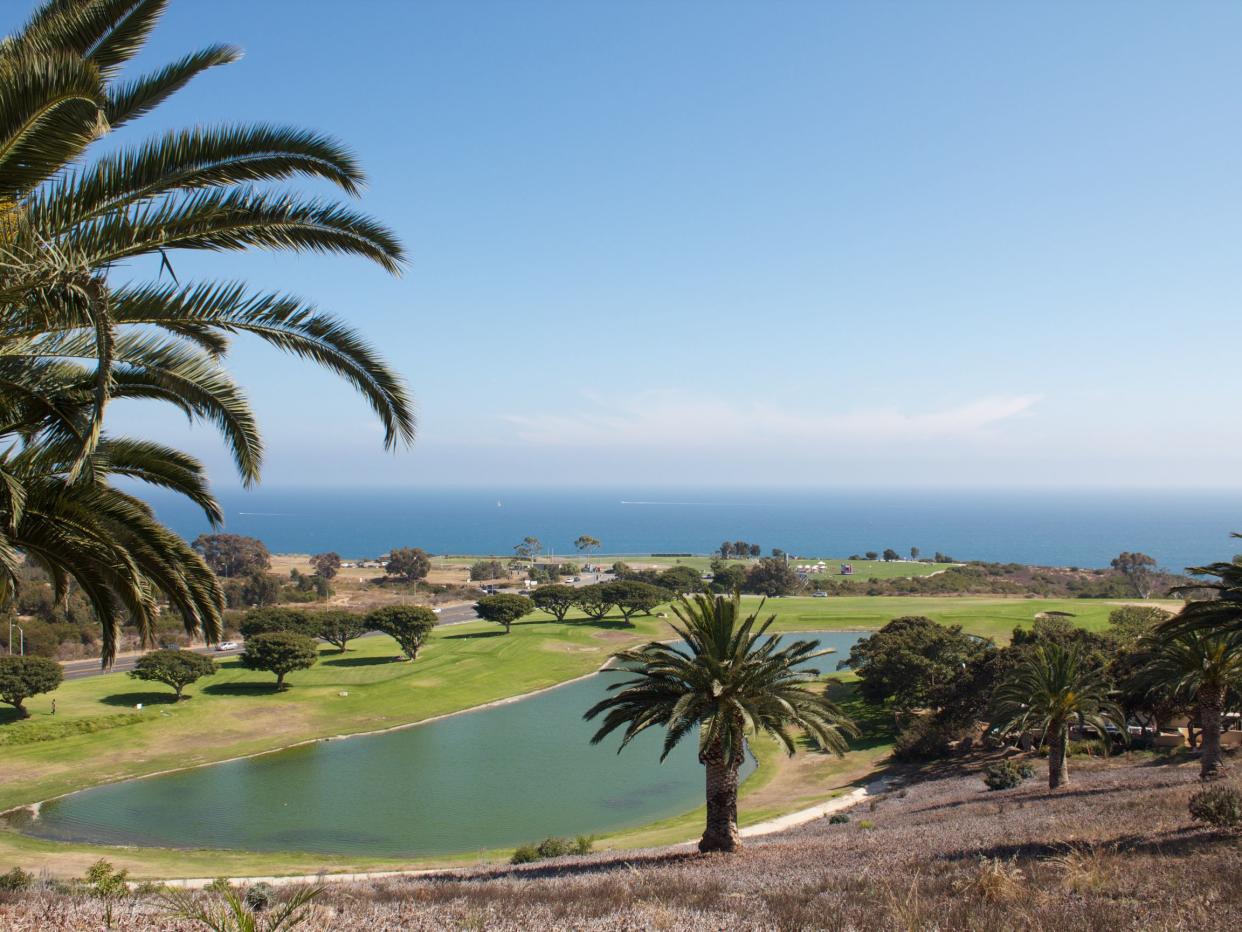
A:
x: 1058, y: 756
x: 1211, y: 701
x: 721, y: 833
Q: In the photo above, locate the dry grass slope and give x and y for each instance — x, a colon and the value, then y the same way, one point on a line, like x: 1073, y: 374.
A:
x: 1115, y: 851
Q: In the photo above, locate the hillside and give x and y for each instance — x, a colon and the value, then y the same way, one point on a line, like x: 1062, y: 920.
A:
x: 1114, y: 851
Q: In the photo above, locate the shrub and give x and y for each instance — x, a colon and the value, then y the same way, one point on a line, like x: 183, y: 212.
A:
x: 1219, y: 806
x: 838, y: 818
x: 925, y: 738
x: 583, y: 844
x: 866, y: 824
x: 15, y: 881
x: 524, y: 854
x: 553, y: 847
x: 1006, y: 774
x: 259, y: 896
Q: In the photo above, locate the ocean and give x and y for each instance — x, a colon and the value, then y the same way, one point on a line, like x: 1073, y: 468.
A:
x: 1052, y: 528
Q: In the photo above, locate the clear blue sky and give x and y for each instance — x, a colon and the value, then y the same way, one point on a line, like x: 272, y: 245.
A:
x: 770, y: 243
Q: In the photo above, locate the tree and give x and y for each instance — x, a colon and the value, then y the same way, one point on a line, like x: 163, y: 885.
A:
x: 488, y: 569
x: 729, y: 578
x: 407, y: 625
x: 1052, y: 687
x: 1201, y: 668
x: 175, y: 668
x: 587, y: 545
x: 503, y: 609
x: 595, y: 600
x: 23, y: 677
x: 872, y: 555
x: 741, y: 549
x: 1139, y: 570
x: 679, y: 579
x: 914, y: 553
x: 726, y: 550
x: 890, y: 555
x: 912, y: 662
x: 755, y: 550
x: 260, y: 589
x: 726, y: 682
x: 338, y: 627
x: 270, y: 620
x: 555, y: 599
x: 76, y: 339
x: 1130, y: 624
x: 232, y: 555
x: 632, y: 597
x: 279, y: 652
x: 772, y: 577
x: 410, y: 563
x: 528, y: 549
x: 1222, y: 611
x: 326, y: 565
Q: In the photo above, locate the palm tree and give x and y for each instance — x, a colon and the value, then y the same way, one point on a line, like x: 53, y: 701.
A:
x: 74, y: 337
x: 729, y: 681
x: 1222, y: 613
x: 1050, y: 688
x: 1201, y: 667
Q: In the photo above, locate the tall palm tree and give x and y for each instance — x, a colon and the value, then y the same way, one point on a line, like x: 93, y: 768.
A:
x: 1202, y: 667
x: 728, y: 679
x: 74, y: 336
x: 1049, y: 689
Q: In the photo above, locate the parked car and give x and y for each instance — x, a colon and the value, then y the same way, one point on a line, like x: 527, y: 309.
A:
x: 819, y: 594
x: 227, y: 645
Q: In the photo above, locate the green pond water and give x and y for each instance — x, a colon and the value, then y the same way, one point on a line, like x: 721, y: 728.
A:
x: 491, y: 778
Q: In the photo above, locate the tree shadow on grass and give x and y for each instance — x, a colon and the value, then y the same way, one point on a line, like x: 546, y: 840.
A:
x: 8, y: 715
x: 608, y: 624
x: 476, y: 634
x: 129, y: 700
x: 241, y: 689
x: 361, y: 661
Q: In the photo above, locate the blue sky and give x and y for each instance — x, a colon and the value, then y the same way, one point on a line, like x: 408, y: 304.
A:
x: 829, y: 244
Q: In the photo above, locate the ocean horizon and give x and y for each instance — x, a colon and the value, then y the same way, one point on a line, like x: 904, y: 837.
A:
x: 1055, y: 528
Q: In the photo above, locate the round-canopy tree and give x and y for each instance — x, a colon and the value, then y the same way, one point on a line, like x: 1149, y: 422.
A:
x: 503, y: 609
x: 280, y: 652
x: 339, y: 627
x: 327, y: 564
x: 555, y: 599
x: 727, y: 681
x: 408, y: 625
x: 175, y: 668
x: 23, y: 677
x: 632, y: 597
x: 410, y: 563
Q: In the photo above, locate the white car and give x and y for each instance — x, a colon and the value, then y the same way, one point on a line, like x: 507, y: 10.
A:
x: 227, y: 645
x: 437, y: 610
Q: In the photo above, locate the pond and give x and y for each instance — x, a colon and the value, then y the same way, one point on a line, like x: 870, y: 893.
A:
x: 495, y: 777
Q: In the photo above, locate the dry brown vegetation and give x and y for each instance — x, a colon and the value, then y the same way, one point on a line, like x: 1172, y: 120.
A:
x: 1114, y: 850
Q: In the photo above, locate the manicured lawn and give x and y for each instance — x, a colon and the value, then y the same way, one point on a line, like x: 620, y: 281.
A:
x: 236, y: 712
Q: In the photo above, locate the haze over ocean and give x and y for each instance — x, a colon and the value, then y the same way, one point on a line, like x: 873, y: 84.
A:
x: 1085, y: 528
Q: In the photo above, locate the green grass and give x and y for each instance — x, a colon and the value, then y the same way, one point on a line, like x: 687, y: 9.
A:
x: 237, y: 713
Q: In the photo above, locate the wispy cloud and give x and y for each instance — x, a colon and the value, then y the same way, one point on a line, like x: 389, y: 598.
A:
x: 656, y: 418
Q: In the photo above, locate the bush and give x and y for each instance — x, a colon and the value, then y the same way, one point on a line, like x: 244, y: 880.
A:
x: 524, y: 854
x: 838, y: 818
x: 552, y: 847
x: 259, y: 897
x: 1006, y: 774
x: 1219, y: 806
x: 925, y: 738
x: 16, y: 881
x: 866, y: 824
